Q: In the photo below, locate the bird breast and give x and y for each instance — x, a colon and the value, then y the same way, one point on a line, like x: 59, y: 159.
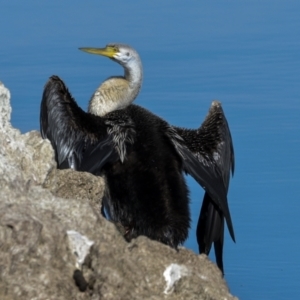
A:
x: 111, y: 95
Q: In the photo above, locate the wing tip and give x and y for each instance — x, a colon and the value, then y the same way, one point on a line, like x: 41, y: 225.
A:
x: 216, y: 103
x: 216, y: 106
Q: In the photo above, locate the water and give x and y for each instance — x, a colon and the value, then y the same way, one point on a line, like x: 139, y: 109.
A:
x: 245, y: 54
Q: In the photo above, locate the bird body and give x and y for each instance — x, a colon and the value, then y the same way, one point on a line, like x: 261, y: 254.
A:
x: 147, y: 193
x: 142, y: 157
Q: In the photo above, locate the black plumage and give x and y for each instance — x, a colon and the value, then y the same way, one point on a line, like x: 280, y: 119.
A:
x: 212, y: 145
x: 143, y: 159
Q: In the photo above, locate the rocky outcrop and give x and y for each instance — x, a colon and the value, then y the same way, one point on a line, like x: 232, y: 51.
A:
x: 54, y: 244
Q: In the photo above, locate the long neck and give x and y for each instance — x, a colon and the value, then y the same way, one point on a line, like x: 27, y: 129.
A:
x: 117, y: 92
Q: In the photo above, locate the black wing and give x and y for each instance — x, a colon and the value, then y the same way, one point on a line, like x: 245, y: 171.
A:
x: 73, y: 133
x: 211, y: 146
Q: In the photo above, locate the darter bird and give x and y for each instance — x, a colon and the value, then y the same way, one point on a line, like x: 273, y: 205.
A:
x: 142, y: 158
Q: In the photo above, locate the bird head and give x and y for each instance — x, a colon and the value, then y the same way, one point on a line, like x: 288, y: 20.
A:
x: 121, y: 53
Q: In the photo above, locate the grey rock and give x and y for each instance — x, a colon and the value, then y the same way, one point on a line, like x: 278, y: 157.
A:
x: 54, y: 243
x: 76, y: 185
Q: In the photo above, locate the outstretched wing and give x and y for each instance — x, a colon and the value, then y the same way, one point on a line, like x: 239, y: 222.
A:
x: 80, y: 139
x: 211, y: 146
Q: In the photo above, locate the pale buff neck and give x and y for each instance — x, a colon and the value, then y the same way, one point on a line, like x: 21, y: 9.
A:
x: 117, y: 92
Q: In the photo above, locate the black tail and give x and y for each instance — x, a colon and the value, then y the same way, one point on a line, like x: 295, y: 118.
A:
x: 210, y: 229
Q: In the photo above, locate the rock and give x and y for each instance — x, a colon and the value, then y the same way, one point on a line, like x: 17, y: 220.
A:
x: 54, y: 243
x: 76, y: 185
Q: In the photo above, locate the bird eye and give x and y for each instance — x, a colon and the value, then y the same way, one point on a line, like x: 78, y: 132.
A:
x: 127, y: 53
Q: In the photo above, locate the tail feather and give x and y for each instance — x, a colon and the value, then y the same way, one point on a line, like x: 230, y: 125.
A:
x: 210, y: 229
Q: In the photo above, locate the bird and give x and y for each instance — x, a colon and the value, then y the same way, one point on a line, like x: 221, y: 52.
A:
x: 142, y: 158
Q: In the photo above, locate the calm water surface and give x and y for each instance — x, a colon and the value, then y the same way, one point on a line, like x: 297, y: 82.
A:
x: 245, y: 54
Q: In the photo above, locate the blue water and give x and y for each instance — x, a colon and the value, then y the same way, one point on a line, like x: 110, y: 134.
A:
x: 244, y: 53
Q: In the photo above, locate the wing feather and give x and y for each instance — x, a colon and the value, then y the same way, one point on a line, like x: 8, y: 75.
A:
x: 211, y: 149
x: 78, y: 138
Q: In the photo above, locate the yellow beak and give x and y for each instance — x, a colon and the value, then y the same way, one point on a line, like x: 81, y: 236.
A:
x: 108, y: 51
